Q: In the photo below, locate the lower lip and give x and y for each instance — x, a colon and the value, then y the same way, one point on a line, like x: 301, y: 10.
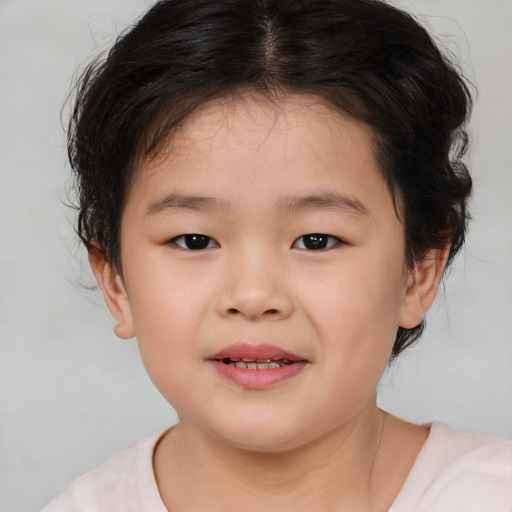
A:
x: 258, y: 379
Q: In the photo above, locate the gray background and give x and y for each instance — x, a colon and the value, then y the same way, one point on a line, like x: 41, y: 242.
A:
x: 71, y: 393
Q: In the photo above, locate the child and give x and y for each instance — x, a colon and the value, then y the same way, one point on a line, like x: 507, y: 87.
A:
x: 270, y: 192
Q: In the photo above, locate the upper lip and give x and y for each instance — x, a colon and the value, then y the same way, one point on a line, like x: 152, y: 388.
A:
x: 255, y: 352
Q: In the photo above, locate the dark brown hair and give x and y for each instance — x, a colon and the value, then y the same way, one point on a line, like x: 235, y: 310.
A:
x: 364, y: 58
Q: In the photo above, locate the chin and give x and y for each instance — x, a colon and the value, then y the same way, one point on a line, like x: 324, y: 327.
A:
x: 263, y: 444
x: 265, y: 435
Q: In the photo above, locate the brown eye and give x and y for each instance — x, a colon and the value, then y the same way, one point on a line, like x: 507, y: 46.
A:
x: 315, y: 242
x: 195, y: 242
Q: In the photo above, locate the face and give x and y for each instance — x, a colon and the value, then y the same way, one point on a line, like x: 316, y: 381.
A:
x: 265, y: 232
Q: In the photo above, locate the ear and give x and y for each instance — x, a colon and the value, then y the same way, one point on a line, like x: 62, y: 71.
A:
x: 421, y: 288
x: 114, y: 293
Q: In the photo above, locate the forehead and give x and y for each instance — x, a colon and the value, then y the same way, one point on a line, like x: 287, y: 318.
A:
x: 231, y: 118
x: 248, y: 145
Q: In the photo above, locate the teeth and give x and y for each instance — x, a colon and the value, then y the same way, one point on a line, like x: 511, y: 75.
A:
x: 258, y: 364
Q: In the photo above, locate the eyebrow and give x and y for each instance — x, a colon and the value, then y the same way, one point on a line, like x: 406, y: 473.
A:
x: 287, y: 205
x: 323, y: 201
x: 185, y: 202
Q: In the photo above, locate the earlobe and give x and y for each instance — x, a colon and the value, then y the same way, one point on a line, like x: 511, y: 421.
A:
x: 114, y: 293
x: 422, y: 284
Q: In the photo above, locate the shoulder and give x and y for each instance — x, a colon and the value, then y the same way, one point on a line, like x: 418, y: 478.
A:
x: 125, y: 482
x: 459, y: 471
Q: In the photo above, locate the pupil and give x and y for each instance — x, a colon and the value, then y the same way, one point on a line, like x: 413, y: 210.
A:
x: 196, y: 242
x: 315, y: 241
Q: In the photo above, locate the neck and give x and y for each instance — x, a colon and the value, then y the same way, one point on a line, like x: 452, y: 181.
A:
x: 334, y: 472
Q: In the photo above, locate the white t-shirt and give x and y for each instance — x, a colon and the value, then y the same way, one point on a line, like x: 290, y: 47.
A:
x: 454, y: 472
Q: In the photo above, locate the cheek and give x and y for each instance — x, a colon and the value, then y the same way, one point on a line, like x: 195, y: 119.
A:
x: 358, y: 330
x: 356, y: 314
x: 167, y: 309
x: 165, y: 297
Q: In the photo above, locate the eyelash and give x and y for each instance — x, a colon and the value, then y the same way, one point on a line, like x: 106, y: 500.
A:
x: 315, y: 240
x: 203, y: 242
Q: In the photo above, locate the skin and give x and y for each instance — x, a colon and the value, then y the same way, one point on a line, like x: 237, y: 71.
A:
x: 316, y: 441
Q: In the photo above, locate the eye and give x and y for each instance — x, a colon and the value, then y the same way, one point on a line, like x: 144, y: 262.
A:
x: 194, y: 242
x: 316, y: 242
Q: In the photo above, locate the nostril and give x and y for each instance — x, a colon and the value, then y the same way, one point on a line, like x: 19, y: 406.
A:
x: 268, y: 312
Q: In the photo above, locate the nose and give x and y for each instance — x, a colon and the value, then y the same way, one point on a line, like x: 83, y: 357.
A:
x: 254, y: 289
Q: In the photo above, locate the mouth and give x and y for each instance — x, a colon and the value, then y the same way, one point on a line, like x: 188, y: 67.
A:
x: 257, y: 366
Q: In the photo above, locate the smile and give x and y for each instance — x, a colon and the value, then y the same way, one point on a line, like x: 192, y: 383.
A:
x: 258, y: 364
